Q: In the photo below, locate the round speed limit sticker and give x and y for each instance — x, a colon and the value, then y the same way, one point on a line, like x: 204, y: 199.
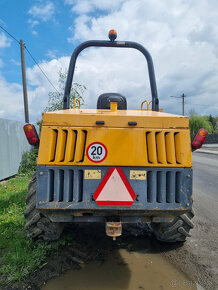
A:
x: 96, y: 152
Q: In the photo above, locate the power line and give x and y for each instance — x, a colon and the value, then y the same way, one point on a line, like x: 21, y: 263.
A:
x: 195, y: 104
x: 41, y: 69
x: 10, y: 34
x: 183, y: 102
x: 14, y: 38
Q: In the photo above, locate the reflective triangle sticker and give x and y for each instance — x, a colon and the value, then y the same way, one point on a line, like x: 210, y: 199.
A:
x: 114, y: 190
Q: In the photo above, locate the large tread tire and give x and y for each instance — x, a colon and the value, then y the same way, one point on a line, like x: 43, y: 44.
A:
x: 175, y: 231
x: 39, y: 226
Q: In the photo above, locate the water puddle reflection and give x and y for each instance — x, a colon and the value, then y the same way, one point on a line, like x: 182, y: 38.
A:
x: 124, y: 270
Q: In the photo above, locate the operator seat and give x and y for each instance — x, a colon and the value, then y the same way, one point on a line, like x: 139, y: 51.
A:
x: 105, y: 99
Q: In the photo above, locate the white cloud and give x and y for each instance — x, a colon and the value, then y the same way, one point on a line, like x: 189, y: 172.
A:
x: 33, y: 23
x: 34, y: 32
x: 51, y: 53
x: 4, y: 41
x: 84, y: 6
x: 42, y: 12
x: 15, y: 62
x: 182, y: 38
x: 11, y: 100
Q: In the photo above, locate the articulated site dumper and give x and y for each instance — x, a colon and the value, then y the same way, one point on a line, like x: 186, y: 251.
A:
x: 112, y: 165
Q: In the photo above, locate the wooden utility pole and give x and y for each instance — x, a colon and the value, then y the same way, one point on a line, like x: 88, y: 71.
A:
x: 183, y: 102
x: 25, y: 99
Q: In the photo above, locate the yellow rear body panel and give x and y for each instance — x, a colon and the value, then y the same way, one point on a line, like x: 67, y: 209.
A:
x: 158, y: 139
x: 117, y: 119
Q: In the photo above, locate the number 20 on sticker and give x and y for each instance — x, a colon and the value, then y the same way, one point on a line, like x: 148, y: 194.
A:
x: 96, y: 152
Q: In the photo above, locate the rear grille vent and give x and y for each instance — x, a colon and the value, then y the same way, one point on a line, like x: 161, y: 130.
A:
x: 67, y: 145
x: 65, y: 185
x: 163, y: 147
x: 164, y: 186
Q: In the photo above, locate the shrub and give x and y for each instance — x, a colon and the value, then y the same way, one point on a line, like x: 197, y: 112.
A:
x: 198, y: 122
x: 28, y: 162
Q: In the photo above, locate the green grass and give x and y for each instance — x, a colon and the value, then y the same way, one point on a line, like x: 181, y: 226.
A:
x: 19, y: 256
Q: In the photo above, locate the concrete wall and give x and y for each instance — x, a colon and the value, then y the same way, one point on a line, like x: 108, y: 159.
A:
x: 12, y: 145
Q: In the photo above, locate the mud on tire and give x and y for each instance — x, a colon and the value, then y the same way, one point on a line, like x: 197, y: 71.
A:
x: 38, y: 226
x: 175, y: 231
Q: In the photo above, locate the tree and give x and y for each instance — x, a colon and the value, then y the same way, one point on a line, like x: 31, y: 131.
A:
x: 212, y: 121
x: 198, y: 122
x: 55, y: 101
x: 192, y: 112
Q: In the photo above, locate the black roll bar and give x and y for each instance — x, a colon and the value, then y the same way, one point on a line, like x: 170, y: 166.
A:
x: 105, y: 43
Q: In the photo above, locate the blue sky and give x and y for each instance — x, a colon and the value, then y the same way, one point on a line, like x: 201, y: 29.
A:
x: 182, y: 37
x: 45, y: 39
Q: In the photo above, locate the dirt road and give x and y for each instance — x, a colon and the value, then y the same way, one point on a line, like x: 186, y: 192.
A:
x: 199, y: 256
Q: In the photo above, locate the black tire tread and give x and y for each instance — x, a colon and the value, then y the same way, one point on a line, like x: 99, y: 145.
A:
x: 39, y: 226
x: 175, y: 231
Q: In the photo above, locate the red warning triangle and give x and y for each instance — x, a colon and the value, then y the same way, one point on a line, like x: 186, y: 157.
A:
x: 114, y: 190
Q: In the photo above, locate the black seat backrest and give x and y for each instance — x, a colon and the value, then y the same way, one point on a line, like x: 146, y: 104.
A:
x: 105, y: 99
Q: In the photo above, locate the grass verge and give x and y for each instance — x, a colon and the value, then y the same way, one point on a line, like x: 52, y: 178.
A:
x: 19, y: 256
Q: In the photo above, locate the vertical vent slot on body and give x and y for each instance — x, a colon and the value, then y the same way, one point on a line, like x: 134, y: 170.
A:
x: 65, y: 144
x: 151, y: 186
x: 68, y: 185
x: 151, y: 147
x: 161, y: 147
x: 80, y: 146
x: 61, y: 187
x: 58, y: 185
x: 53, y: 145
x: 80, y: 185
x: 178, y: 186
x: 170, y: 186
x: 71, y: 146
x: 50, y: 196
x: 161, y: 186
x: 61, y: 145
x: 170, y: 147
x: 178, y: 148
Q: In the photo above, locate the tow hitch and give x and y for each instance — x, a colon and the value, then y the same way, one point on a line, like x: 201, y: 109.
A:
x: 113, y: 229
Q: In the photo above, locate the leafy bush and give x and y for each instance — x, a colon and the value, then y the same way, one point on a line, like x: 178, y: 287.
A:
x: 198, y: 122
x: 28, y: 162
x: 55, y: 101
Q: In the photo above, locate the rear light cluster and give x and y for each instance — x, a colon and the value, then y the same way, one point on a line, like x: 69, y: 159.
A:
x: 31, y: 134
x: 199, y: 139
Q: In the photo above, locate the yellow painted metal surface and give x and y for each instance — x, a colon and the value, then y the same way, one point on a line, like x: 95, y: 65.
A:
x: 115, y: 119
x: 76, y: 101
x: 145, y: 101
x: 138, y: 174
x: 158, y: 139
x: 92, y: 174
x: 113, y: 106
x: 125, y: 146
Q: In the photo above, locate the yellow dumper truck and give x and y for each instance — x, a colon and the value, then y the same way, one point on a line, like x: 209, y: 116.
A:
x: 111, y: 165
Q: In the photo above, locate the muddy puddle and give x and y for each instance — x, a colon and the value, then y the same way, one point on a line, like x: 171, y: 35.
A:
x: 124, y: 269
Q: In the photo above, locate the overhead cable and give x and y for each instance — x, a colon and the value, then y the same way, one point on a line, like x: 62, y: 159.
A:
x: 14, y: 38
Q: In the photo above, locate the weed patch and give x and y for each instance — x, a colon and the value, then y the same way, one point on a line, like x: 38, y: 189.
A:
x: 19, y: 256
